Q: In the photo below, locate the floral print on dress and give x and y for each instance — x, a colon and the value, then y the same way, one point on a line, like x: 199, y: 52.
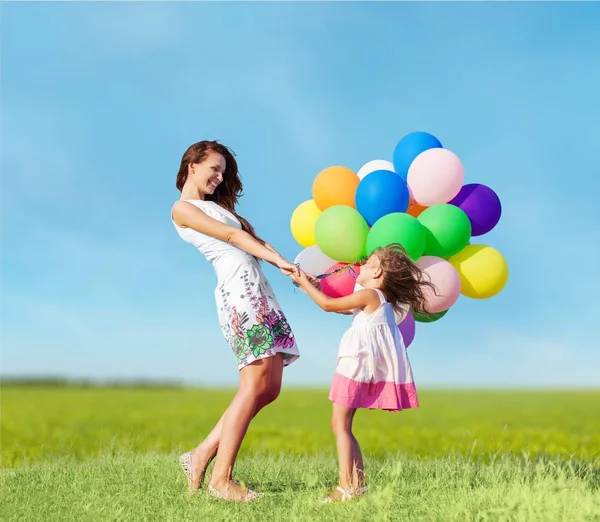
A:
x: 260, y: 339
x: 269, y: 330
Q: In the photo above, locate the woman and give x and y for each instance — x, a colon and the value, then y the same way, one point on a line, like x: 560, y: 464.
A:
x: 249, y: 314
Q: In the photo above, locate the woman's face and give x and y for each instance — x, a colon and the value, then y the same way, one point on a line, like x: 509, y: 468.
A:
x: 208, y: 174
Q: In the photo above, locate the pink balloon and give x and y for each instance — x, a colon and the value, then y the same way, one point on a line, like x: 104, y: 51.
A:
x: 407, y: 329
x: 340, y: 284
x: 446, y: 280
x: 435, y: 176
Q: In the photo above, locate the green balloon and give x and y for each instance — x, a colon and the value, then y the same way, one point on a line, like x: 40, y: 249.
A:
x: 447, y: 230
x: 431, y: 318
x: 341, y: 233
x: 401, y: 228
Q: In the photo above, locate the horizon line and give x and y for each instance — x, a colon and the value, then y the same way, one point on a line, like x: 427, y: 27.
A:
x: 116, y: 382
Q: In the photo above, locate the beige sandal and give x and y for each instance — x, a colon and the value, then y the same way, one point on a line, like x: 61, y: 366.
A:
x: 250, y: 495
x: 347, y: 494
x: 185, y: 460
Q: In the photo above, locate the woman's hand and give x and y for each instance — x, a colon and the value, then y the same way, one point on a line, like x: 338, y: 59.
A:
x: 280, y: 262
x: 285, y: 266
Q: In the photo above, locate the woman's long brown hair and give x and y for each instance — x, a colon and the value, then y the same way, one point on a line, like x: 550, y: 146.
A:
x: 229, y: 190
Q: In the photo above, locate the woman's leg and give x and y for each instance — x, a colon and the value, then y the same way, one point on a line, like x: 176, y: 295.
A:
x: 207, y: 449
x: 204, y: 453
x: 275, y: 380
x: 341, y: 423
x: 258, y: 387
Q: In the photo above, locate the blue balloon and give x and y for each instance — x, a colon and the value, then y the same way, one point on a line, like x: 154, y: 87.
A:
x: 380, y: 193
x: 410, y: 147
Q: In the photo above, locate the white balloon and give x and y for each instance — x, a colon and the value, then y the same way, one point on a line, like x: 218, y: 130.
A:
x: 313, y: 261
x: 374, y: 165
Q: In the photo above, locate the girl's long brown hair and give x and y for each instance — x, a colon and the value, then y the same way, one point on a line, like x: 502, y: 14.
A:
x: 229, y: 190
x: 404, y: 283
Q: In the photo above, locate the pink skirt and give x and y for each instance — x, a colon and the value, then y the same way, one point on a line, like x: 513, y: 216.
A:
x: 381, y: 395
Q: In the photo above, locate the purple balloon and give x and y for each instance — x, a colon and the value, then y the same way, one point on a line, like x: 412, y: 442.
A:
x: 407, y: 329
x: 481, y: 204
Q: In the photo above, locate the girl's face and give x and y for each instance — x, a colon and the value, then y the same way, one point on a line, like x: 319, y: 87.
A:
x: 370, y: 273
x: 208, y: 174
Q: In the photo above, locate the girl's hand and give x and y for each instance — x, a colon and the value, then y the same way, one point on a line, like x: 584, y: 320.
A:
x: 299, y: 277
x: 314, y: 281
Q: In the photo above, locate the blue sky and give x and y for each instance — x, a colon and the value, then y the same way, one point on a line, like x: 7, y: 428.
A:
x: 100, y: 100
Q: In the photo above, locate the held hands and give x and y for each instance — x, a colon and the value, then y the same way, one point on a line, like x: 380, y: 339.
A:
x: 302, y: 279
x: 299, y: 277
x: 286, y: 267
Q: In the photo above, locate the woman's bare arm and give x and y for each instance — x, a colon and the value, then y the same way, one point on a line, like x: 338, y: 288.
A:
x: 187, y: 215
x: 272, y: 250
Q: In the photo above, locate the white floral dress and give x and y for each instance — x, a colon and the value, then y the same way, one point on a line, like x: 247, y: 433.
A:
x: 249, y: 314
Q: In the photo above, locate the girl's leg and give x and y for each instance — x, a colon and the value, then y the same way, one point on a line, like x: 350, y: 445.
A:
x: 358, y: 467
x: 341, y: 423
x: 259, y: 385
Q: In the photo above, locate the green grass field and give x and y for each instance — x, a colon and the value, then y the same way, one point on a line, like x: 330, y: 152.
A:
x: 111, y: 454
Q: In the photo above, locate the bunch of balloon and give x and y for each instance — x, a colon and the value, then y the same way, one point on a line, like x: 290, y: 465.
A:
x: 417, y: 200
x: 331, y: 230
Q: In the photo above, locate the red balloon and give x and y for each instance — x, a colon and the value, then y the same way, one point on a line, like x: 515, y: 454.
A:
x: 340, y: 284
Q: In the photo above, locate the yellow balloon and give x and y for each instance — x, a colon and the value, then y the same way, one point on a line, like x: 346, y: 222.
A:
x: 303, y: 223
x: 483, y: 271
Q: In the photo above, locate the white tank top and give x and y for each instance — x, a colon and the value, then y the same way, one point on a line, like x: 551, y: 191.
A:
x: 398, y: 315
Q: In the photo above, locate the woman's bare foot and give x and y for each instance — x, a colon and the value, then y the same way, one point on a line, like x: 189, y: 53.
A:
x: 232, y: 492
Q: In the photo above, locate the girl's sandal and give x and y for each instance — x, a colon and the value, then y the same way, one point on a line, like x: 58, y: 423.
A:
x: 250, y: 496
x: 347, y: 494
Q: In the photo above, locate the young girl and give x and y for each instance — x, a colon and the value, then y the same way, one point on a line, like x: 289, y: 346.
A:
x: 373, y: 370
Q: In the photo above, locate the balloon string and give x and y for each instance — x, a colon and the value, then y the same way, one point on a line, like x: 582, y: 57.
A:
x: 338, y: 271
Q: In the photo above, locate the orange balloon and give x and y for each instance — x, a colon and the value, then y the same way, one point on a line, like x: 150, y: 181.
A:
x: 414, y: 209
x: 335, y: 186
